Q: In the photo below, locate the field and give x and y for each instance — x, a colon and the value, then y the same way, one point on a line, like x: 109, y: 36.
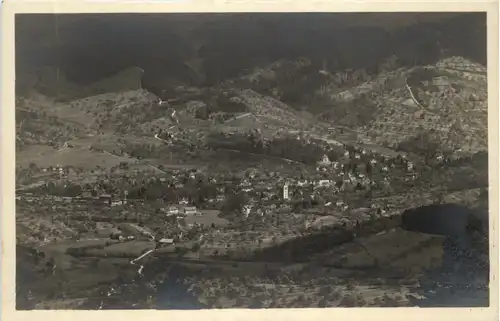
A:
x: 77, y: 157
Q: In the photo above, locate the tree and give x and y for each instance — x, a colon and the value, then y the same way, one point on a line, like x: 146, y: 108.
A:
x: 323, y: 303
x: 256, y: 303
x: 181, y: 251
x: 324, y: 291
x: 388, y: 301
x: 348, y: 301
x: 320, y: 200
x: 234, y: 202
x: 239, y: 302
x: 483, y: 194
x: 196, y: 247
x: 33, y: 167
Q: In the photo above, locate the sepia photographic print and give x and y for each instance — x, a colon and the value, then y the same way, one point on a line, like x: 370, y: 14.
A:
x: 184, y: 161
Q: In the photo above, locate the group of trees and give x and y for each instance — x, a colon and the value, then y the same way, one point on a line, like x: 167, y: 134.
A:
x: 196, y: 192
x: 286, y: 147
x: 352, y: 114
x: 128, y: 117
x: 62, y: 189
x: 141, y: 151
x: 221, y: 104
x: 34, y: 127
x: 423, y: 144
x: 234, y: 203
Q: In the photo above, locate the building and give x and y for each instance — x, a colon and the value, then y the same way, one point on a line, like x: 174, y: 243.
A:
x: 104, y: 199
x: 245, y: 183
x: 246, y: 210
x: 323, y: 183
x: 190, y: 210
x: 302, y: 183
x: 166, y: 241
x: 324, y: 161
x: 118, y: 202
x: 286, y: 195
x: 409, y: 166
x: 172, y: 210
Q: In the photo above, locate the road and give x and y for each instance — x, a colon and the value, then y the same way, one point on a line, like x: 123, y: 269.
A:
x: 141, y: 267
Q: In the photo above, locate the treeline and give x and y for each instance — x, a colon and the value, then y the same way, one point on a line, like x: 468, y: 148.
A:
x: 423, y: 144
x: 429, y: 147
x: 35, y: 127
x: 287, y: 147
x: 296, y: 82
x: 136, y: 150
x: 358, y: 112
x: 97, y: 251
x: 141, y: 151
x: 64, y: 190
x: 293, y: 80
x: 127, y: 119
x: 195, y: 192
x: 107, y: 219
x: 302, y: 248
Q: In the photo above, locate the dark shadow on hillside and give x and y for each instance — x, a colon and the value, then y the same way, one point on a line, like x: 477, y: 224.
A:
x: 300, y: 249
x: 463, y: 278
x: 173, y: 293
x: 433, y: 219
x: 451, y: 220
x: 231, y: 44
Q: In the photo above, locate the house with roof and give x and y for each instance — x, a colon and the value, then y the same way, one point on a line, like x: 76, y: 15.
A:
x: 245, y: 183
x: 172, y: 210
x: 190, y: 210
x: 105, y: 199
x: 325, y: 161
x: 166, y: 241
x: 117, y: 202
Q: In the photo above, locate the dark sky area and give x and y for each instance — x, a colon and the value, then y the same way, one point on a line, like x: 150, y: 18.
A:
x: 87, y: 47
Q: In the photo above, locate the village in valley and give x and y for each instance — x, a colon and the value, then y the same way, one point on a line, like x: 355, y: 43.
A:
x: 242, y: 193
x: 236, y: 216
x: 195, y: 198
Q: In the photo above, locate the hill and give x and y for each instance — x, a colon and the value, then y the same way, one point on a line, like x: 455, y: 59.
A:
x: 420, y: 110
